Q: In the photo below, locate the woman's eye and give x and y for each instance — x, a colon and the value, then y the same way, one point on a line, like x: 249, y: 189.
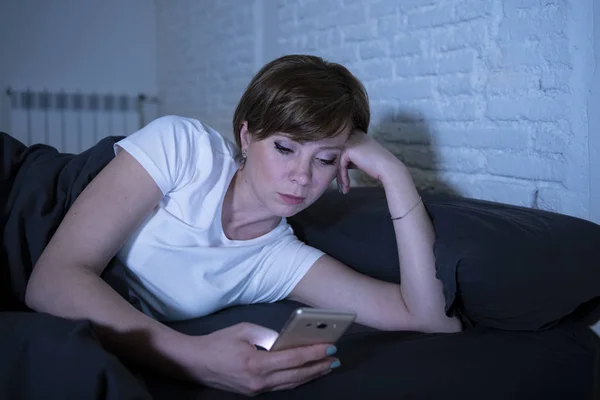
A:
x: 327, y: 162
x: 281, y: 149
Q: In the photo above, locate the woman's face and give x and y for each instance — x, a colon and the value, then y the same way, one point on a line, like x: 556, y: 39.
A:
x: 287, y: 176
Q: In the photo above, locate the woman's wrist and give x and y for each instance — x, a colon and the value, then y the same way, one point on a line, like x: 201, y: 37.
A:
x: 401, y: 193
x: 172, y: 352
x: 395, y: 175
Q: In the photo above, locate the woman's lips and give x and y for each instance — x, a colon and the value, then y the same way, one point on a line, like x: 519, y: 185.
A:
x: 293, y: 200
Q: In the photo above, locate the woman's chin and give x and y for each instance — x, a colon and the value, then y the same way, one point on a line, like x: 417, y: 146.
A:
x: 290, y: 211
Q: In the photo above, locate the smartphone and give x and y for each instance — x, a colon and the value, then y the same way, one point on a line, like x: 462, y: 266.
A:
x: 308, y: 326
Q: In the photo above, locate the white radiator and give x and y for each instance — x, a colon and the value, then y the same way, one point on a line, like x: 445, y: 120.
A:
x: 73, y: 122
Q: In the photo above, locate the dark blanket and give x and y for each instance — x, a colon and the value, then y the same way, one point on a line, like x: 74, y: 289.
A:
x: 63, y: 359
x: 37, y: 187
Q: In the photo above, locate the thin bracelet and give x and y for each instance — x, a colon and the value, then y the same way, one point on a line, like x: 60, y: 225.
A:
x: 409, y: 211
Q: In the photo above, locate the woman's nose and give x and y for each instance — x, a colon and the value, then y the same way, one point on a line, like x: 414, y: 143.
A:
x: 301, y: 173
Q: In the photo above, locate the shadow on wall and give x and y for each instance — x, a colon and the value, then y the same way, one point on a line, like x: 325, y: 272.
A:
x: 408, y: 135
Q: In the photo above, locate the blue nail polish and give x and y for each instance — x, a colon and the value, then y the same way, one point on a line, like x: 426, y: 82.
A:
x: 331, y: 350
x: 335, y: 364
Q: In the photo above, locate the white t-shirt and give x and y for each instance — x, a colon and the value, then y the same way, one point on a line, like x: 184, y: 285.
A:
x: 179, y: 262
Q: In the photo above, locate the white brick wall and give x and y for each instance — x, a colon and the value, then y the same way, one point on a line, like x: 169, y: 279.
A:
x: 477, y: 94
x: 483, y: 98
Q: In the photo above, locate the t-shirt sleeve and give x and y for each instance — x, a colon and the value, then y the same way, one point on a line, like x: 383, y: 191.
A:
x: 286, y: 263
x: 168, y: 148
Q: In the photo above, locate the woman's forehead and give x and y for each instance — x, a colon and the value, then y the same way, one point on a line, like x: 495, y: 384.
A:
x: 339, y: 138
x: 329, y: 142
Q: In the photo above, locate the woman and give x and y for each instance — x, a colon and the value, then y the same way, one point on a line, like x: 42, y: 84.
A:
x: 200, y: 225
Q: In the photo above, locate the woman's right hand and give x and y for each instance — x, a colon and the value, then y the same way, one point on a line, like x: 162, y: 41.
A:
x: 228, y: 359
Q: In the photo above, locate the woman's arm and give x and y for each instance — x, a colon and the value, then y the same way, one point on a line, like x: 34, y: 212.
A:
x: 418, y: 302
x: 66, y: 282
x: 421, y: 291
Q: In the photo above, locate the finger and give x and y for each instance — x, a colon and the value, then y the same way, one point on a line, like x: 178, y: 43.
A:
x: 345, y: 163
x: 288, y: 386
x: 296, y: 376
x: 269, y: 362
x: 338, y: 178
x: 346, y: 187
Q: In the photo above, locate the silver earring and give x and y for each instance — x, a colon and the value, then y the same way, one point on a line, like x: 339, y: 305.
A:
x: 244, y: 153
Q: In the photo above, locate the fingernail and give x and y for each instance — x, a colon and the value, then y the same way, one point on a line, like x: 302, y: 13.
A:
x: 331, y: 350
x: 335, y: 364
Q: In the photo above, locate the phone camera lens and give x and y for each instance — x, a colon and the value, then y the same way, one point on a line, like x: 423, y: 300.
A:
x: 321, y: 326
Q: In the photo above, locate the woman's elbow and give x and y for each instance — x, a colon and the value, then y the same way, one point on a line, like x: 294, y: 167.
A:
x: 33, y: 293
x: 441, y: 325
x: 39, y: 288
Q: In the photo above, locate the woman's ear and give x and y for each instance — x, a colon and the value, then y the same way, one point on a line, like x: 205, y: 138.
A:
x: 245, y: 135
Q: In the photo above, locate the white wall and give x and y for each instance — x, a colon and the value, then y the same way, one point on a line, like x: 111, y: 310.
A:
x: 593, y: 111
x: 108, y: 47
x: 88, y: 45
x: 594, y: 130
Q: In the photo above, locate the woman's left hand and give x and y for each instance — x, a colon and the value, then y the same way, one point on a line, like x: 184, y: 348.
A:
x: 366, y: 154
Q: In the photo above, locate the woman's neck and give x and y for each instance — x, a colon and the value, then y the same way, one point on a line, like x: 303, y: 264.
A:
x: 244, y: 216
